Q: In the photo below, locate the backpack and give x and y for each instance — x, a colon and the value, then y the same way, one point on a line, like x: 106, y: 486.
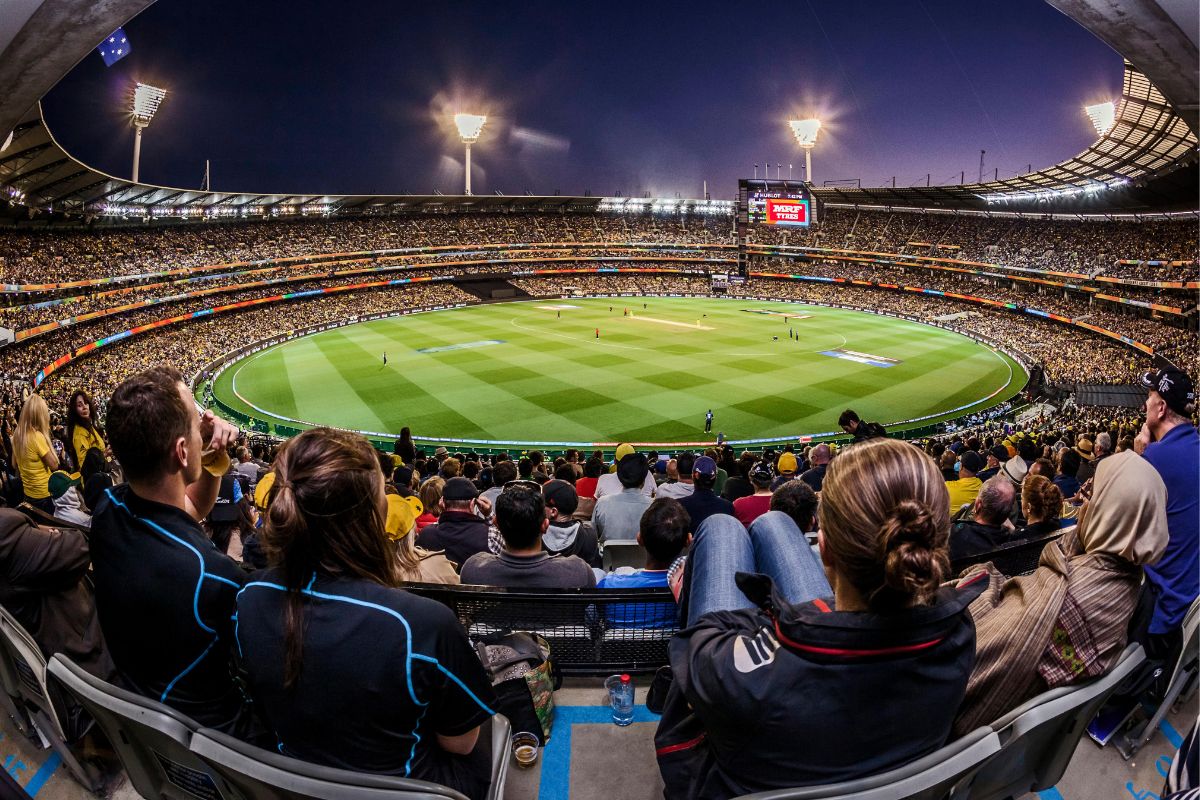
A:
x: 519, y: 666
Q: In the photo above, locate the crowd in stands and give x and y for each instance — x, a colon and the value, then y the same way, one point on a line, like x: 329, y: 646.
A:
x: 811, y: 555
x: 66, y: 255
x: 1089, y: 248
x: 1092, y: 248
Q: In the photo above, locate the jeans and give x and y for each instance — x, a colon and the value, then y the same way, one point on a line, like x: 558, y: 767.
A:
x: 774, y: 546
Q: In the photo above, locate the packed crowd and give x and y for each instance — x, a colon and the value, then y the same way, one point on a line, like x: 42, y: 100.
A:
x: 55, y: 256
x: 309, y: 547
x: 1090, y: 248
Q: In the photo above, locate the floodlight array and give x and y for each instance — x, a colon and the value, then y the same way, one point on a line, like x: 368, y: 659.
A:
x: 1089, y: 190
x: 1103, y: 116
x: 805, y: 131
x: 469, y: 126
x: 146, y: 100
x: 659, y: 205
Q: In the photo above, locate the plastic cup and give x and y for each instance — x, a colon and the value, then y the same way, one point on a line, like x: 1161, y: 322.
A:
x: 525, y: 749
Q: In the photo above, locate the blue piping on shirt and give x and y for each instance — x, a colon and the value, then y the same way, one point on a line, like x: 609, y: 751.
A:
x: 156, y: 527
x: 416, y: 741
x: 410, y: 655
x: 189, y: 668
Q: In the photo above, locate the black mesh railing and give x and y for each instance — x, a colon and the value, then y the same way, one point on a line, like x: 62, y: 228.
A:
x: 1017, y: 558
x: 590, y: 631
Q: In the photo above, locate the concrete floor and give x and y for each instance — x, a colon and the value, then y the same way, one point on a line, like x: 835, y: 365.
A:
x: 589, y: 758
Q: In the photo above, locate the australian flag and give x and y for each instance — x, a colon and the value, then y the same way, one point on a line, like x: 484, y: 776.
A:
x: 115, y: 47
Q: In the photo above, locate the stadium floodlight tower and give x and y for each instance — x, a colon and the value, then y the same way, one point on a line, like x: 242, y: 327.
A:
x: 145, y: 102
x: 805, y: 131
x: 469, y: 127
x: 1102, y: 115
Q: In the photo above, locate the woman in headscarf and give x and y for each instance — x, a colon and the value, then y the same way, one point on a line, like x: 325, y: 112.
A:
x: 1067, y: 622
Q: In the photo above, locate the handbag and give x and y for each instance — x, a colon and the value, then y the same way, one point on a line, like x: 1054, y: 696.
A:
x: 522, y: 675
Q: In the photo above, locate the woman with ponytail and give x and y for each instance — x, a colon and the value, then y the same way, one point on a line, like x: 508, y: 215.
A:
x: 349, y: 670
x: 795, y: 671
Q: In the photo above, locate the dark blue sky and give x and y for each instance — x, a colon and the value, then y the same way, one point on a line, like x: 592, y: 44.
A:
x: 306, y: 97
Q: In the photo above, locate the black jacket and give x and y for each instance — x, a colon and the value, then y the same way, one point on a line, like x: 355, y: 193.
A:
x: 460, y: 533
x: 976, y: 538
x: 41, y: 584
x: 797, y: 695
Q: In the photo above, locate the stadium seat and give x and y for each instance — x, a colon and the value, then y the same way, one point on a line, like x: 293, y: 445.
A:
x: 248, y: 773
x: 10, y: 694
x: 150, y: 738
x: 36, y: 695
x: 618, y: 553
x: 945, y: 773
x: 1182, y: 685
x: 1039, y: 737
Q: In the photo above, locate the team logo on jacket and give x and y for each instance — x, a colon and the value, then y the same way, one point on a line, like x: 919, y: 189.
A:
x: 752, y: 652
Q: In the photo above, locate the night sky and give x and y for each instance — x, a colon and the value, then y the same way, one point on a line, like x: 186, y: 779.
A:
x: 616, y: 97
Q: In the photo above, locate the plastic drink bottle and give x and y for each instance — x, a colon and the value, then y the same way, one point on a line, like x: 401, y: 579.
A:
x: 620, y: 697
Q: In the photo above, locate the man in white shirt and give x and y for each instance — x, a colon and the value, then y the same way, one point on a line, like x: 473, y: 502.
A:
x: 609, y: 484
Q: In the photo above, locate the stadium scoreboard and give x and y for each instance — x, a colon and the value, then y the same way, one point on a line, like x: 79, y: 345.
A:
x: 779, y: 203
x: 791, y: 206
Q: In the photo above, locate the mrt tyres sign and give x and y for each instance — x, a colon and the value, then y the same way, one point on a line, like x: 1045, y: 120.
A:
x: 787, y: 211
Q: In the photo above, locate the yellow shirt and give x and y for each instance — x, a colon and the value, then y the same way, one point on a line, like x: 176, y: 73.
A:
x: 35, y: 475
x: 963, y: 491
x: 83, y: 440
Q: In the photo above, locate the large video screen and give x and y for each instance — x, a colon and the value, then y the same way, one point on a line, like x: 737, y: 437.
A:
x: 791, y: 206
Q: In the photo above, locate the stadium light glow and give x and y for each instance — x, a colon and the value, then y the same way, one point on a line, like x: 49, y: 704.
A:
x: 470, y: 126
x: 144, y: 102
x: 805, y: 131
x: 1102, y: 115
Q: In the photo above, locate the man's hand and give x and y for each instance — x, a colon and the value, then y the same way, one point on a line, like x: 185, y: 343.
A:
x: 485, y: 507
x: 1143, y: 438
x: 216, y: 433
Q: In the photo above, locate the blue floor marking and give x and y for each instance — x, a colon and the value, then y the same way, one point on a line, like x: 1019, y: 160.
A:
x: 556, y: 756
x: 1172, y: 735
x: 42, y: 775
x: 1050, y: 794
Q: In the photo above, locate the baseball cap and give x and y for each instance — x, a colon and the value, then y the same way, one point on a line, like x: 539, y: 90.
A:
x: 414, y: 502
x: 60, y: 482
x: 787, y: 463
x: 704, y: 466
x: 1173, y: 386
x: 400, y: 520
x: 971, y: 461
x: 761, y: 473
x: 1000, y: 453
x: 561, y: 495
x: 402, y: 475
x: 623, y: 449
x: 457, y: 489
x: 262, y: 490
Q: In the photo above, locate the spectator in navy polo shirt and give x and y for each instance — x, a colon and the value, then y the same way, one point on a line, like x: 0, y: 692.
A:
x: 1168, y: 440
x: 349, y: 670
x: 164, y: 593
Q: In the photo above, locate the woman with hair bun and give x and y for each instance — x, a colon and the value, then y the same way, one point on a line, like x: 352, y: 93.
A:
x: 1041, y: 505
x: 348, y: 669
x: 819, y: 672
